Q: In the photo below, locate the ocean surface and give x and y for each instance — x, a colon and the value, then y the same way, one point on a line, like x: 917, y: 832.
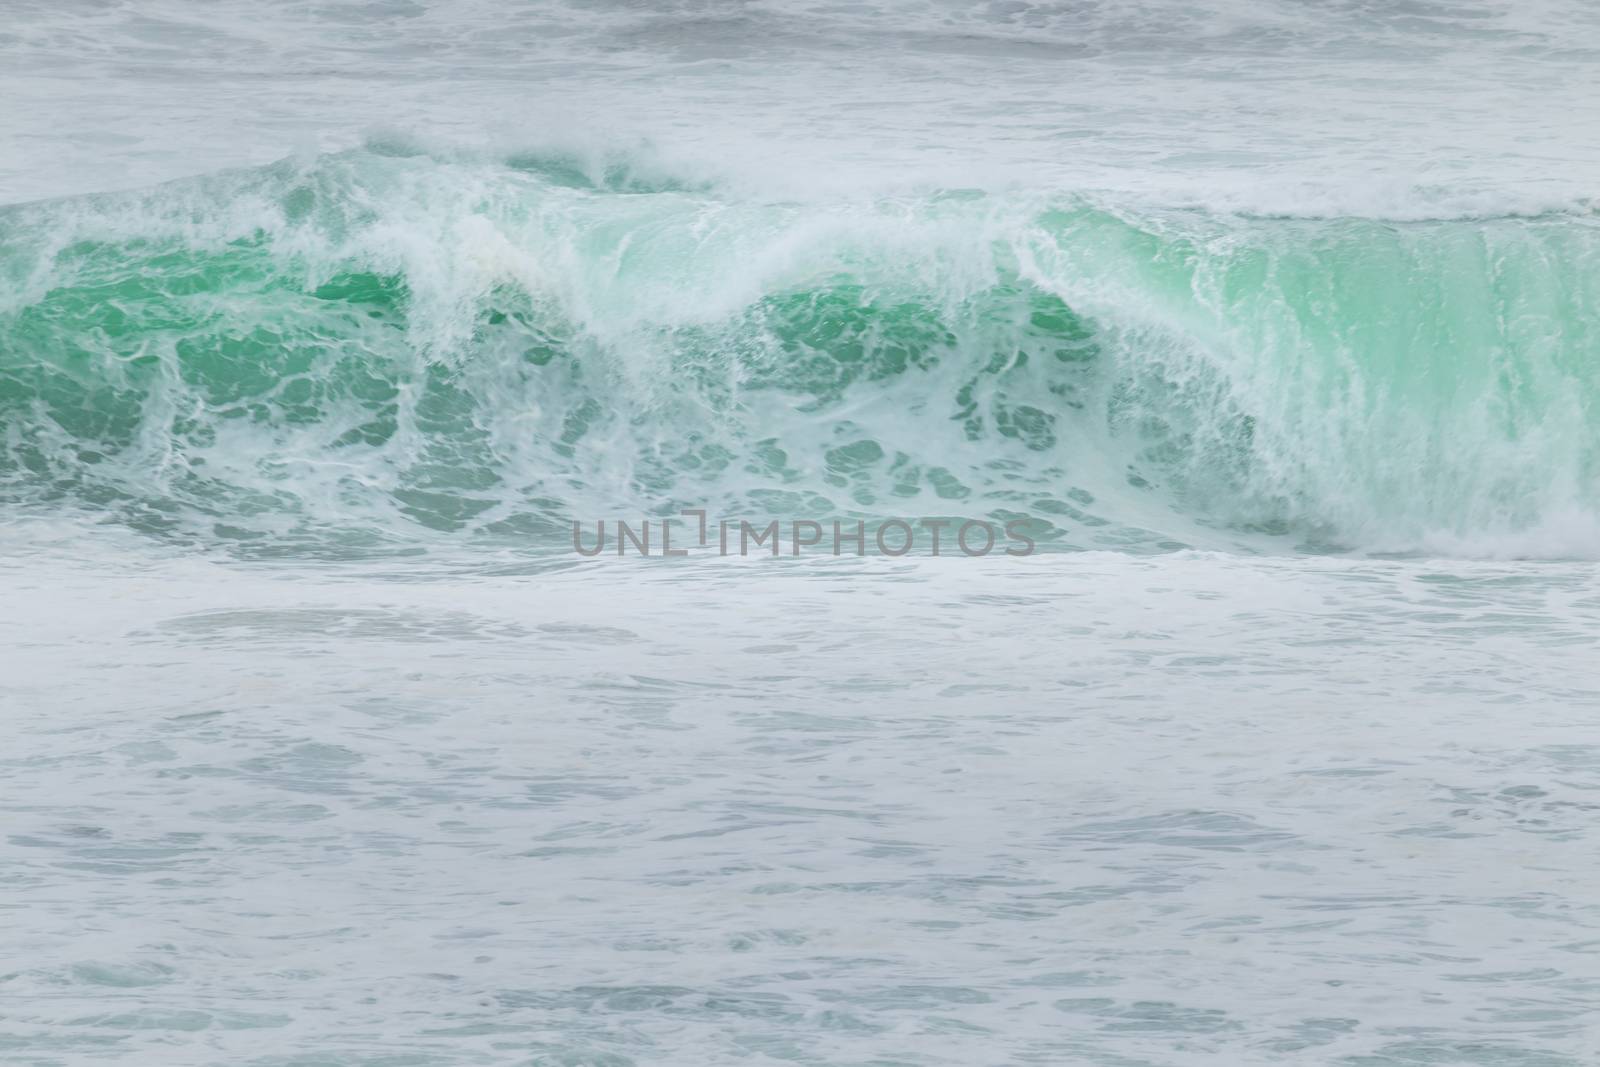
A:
x: 1261, y: 338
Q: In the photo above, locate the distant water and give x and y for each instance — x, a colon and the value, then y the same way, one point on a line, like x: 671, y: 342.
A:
x: 1275, y: 325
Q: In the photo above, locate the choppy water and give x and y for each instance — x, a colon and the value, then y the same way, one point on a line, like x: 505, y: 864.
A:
x: 1274, y: 323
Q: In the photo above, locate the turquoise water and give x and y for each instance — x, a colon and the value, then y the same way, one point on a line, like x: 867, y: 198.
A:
x: 1273, y: 326
x: 383, y: 344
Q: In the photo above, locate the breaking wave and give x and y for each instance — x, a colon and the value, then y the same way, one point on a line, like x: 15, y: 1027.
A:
x: 372, y: 350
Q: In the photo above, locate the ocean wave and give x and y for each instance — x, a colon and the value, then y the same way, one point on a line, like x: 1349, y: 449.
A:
x: 379, y: 347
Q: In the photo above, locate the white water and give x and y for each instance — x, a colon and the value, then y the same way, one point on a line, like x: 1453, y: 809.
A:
x: 1068, y: 809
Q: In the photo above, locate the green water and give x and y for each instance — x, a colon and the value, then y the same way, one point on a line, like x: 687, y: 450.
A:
x: 374, y: 347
